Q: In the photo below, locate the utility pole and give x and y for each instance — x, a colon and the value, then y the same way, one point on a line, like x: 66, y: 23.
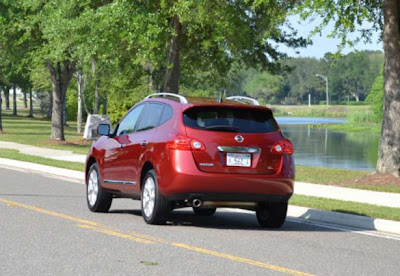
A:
x: 326, y: 80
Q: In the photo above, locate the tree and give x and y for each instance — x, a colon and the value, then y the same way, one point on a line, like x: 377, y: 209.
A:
x: 375, y: 98
x: 47, y: 32
x: 354, y: 73
x: 265, y: 86
x: 301, y: 80
x: 383, y: 16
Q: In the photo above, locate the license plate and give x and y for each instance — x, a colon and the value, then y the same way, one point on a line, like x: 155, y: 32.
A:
x: 238, y: 159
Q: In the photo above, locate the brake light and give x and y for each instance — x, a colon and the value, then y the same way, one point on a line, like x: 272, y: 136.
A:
x: 284, y: 146
x: 185, y: 143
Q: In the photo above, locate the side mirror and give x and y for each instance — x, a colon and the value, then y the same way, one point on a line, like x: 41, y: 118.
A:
x: 103, y: 129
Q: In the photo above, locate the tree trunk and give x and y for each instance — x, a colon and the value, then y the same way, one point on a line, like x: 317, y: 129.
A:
x: 50, y: 110
x: 65, y: 112
x: 79, y: 113
x: 60, y: 76
x: 172, y: 73
x: 1, y: 107
x: 14, y: 100
x: 389, y: 147
x: 81, y: 89
x: 7, y: 97
x: 96, y: 87
x: 104, y: 103
x: 25, y: 99
x: 30, y: 103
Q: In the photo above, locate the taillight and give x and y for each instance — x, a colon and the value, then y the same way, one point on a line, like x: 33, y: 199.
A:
x: 284, y: 146
x: 185, y: 143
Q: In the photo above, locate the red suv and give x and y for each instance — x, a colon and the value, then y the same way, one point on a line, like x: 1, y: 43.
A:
x: 171, y: 152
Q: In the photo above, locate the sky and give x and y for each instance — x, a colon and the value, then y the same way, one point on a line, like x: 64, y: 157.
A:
x: 323, y: 44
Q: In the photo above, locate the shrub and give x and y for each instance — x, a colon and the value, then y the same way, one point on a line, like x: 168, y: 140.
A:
x: 375, y: 98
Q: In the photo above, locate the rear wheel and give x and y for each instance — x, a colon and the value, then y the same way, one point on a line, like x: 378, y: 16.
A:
x: 97, y: 198
x: 154, y: 205
x: 204, y: 211
x: 271, y: 215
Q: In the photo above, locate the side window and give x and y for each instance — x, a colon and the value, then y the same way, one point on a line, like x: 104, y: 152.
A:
x: 151, y: 116
x: 167, y: 114
x: 127, y: 125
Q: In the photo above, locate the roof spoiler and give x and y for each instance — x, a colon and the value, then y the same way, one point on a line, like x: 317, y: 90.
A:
x: 244, y: 100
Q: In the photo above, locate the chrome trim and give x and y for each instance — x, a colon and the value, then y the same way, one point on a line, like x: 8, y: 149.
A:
x: 181, y: 98
x: 120, y: 182
x: 238, y: 149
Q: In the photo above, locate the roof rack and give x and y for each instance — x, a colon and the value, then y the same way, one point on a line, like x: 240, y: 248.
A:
x: 181, y: 98
x: 243, y: 99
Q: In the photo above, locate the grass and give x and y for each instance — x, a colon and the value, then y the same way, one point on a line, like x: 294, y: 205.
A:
x: 367, y: 127
x: 332, y: 111
x: 14, y: 154
x: 36, y: 132
x: 354, y: 208
x: 340, y: 177
x: 359, y: 118
x: 326, y: 175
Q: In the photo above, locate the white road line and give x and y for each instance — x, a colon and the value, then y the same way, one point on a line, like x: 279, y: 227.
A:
x: 329, y: 226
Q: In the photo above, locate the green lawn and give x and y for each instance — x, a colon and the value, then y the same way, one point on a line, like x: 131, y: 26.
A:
x: 332, y: 111
x: 36, y: 132
x: 346, y: 207
x: 14, y: 154
x: 326, y: 175
x: 362, y: 127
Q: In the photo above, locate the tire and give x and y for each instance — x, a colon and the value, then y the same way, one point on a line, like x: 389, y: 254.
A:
x: 204, y: 211
x: 154, y: 206
x: 271, y: 215
x: 98, y: 200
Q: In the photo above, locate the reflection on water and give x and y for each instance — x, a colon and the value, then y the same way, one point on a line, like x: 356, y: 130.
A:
x: 325, y: 148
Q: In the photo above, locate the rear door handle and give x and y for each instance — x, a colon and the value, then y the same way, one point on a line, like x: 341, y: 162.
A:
x: 144, y: 143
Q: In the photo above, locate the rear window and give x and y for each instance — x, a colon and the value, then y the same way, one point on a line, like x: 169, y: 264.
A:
x: 230, y: 119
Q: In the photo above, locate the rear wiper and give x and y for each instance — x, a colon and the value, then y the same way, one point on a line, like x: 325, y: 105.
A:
x: 223, y: 128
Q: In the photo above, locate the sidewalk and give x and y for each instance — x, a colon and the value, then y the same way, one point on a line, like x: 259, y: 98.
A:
x: 62, y: 155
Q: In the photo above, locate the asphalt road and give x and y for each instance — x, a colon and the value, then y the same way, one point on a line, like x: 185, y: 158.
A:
x: 47, y: 229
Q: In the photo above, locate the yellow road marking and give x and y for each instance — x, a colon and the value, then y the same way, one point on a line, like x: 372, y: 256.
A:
x: 241, y: 260
x: 116, y: 234
x: 146, y: 239
x: 51, y: 213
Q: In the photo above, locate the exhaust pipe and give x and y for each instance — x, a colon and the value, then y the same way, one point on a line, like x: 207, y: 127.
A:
x: 197, y: 202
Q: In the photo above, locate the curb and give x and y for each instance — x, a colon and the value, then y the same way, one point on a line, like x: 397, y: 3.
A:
x: 42, y: 169
x: 297, y: 212
x: 342, y: 219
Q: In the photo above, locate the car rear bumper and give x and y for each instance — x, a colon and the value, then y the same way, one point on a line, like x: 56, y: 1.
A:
x: 184, y: 181
x: 229, y: 197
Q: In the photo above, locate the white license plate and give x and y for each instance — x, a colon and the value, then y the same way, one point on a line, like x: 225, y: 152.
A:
x: 238, y: 159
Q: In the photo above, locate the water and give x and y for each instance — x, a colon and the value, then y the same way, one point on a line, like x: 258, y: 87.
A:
x: 322, y: 147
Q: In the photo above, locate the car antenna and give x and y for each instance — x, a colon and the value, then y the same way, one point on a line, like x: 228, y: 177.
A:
x: 221, y: 97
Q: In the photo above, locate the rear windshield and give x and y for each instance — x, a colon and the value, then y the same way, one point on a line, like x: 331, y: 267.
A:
x: 230, y: 119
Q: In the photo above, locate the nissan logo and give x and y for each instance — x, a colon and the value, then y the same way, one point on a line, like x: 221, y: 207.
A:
x: 239, y: 138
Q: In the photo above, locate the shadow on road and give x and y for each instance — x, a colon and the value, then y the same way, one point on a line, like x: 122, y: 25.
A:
x: 231, y: 220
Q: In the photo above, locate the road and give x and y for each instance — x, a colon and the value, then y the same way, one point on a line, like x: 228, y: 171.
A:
x: 47, y: 229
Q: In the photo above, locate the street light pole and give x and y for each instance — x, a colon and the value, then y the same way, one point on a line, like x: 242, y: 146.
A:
x: 326, y: 80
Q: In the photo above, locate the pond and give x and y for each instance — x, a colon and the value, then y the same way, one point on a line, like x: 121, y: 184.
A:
x: 321, y: 147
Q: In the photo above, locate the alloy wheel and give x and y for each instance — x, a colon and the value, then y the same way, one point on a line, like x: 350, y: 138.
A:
x: 149, y: 197
x: 93, y: 188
